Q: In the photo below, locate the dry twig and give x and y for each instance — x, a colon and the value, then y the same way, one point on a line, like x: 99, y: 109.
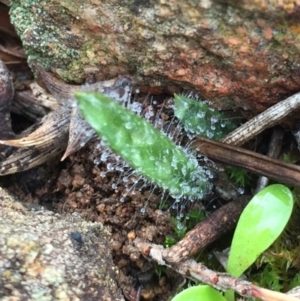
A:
x: 220, y: 281
x: 256, y: 163
x: 266, y: 119
x: 274, y: 151
x: 207, y: 231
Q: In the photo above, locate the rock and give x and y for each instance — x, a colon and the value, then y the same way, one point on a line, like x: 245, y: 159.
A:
x: 238, y: 54
x: 48, y: 256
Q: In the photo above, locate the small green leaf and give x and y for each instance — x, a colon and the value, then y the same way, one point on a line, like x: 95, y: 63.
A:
x: 259, y: 226
x: 199, y: 293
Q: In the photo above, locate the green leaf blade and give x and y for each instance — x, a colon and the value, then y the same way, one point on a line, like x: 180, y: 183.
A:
x: 260, y: 224
x: 199, y: 293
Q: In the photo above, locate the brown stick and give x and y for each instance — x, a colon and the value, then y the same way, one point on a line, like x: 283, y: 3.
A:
x: 264, y: 120
x: 204, y: 233
x: 274, y: 151
x: 220, y: 281
x: 256, y: 163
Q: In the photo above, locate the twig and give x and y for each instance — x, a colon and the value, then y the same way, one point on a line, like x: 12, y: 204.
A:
x: 274, y: 151
x: 256, y: 163
x: 220, y: 281
x: 266, y: 119
x: 207, y: 231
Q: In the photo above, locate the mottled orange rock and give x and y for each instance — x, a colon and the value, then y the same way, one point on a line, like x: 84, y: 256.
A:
x: 239, y: 54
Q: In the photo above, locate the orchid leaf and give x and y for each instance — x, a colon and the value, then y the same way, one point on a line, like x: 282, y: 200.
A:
x: 260, y: 224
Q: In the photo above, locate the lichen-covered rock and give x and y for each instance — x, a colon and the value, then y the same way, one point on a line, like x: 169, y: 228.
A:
x: 47, y: 256
x: 238, y: 54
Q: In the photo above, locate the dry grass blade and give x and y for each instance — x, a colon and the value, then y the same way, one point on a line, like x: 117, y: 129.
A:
x: 266, y: 119
x: 62, y: 91
x: 274, y: 151
x: 25, y: 159
x: 24, y: 104
x: 80, y: 132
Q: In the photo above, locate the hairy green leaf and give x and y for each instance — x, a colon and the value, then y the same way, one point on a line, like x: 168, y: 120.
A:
x: 200, y: 119
x: 145, y: 148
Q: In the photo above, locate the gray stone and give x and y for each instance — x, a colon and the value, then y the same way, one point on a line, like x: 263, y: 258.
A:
x: 48, y: 256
